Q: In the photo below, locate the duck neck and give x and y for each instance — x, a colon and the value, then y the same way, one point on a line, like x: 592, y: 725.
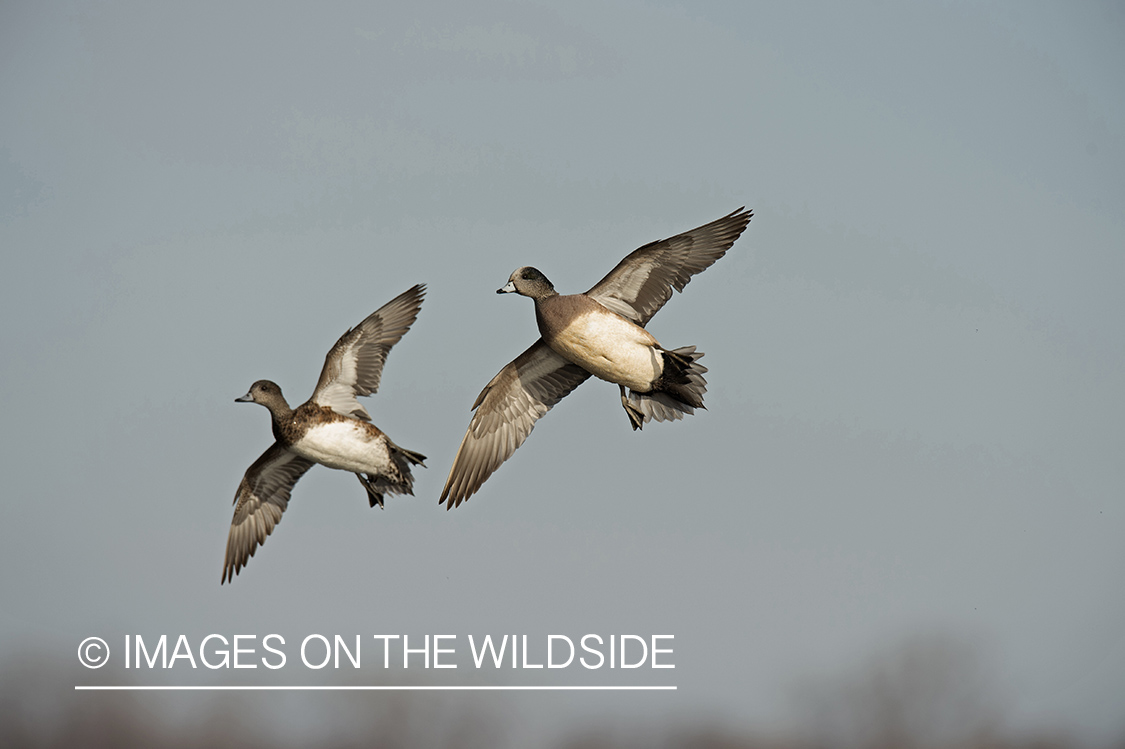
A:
x: 280, y: 413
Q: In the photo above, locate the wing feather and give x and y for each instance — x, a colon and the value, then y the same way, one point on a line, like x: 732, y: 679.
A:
x: 641, y: 283
x: 506, y: 412
x: 260, y: 500
x: 354, y: 366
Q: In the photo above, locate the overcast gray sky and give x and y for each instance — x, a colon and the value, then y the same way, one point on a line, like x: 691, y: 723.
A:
x: 915, y: 418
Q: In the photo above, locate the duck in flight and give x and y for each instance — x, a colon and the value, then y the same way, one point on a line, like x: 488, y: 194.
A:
x: 330, y: 428
x: 598, y: 333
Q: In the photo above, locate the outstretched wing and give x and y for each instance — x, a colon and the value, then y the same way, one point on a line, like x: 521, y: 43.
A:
x: 641, y: 283
x: 261, y: 498
x: 355, y: 364
x: 506, y: 412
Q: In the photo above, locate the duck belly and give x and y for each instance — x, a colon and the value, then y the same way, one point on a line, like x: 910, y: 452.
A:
x: 347, y: 445
x: 611, y: 348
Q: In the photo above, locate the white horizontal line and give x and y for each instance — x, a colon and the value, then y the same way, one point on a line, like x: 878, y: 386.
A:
x: 399, y: 688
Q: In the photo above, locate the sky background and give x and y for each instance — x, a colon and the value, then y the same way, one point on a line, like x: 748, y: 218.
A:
x: 916, y: 411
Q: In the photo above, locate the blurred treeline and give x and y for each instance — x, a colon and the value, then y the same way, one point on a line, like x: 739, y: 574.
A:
x: 925, y: 693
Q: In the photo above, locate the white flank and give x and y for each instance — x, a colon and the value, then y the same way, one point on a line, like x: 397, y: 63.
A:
x: 612, y: 348
x: 346, y: 445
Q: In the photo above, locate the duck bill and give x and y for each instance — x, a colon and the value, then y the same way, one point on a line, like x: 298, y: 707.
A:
x: 245, y: 399
x: 507, y: 288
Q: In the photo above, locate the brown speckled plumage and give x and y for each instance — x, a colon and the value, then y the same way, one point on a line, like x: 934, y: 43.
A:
x: 331, y: 428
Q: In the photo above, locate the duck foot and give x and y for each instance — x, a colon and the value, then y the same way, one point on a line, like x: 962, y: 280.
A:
x: 636, y: 418
x: 373, y: 496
